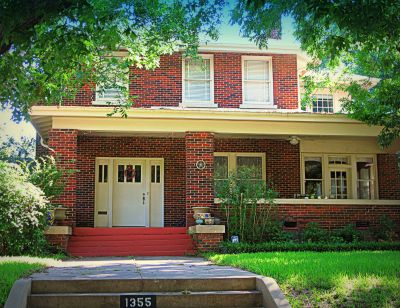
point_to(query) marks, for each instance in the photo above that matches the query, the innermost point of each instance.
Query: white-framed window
(257, 83)
(110, 95)
(226, 163)
(339, 176)
(198, 81)
(323, 103)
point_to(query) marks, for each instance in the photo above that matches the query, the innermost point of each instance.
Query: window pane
(121, 170)
(364, 176)
(256, 91)
(313, 167)
(339, 160)
(323, 103)
(138, 173)
(158, 174)
(153, 174)
(364, 170)
(129, 173)
(197, 90)
(250, 162)
(100, 173)
(339, 184)
(313, 187)
(105, 173)
(220, 167)
(197, 69)
(256, 70)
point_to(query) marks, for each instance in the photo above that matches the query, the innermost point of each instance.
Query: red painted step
(96, 242)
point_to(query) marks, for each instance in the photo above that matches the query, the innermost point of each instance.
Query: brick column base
(207, 241)
(59, 241)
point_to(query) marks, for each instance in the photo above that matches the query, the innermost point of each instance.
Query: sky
(228, 34)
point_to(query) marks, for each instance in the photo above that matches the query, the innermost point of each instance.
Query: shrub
(246, 215)
(233, 248)
(314, 233)
(348, 233)
(23, 211)
(386, 229)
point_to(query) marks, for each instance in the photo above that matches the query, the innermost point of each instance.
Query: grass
(14, 268)
(327, 279)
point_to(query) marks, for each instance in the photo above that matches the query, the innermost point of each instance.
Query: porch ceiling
(175, 122)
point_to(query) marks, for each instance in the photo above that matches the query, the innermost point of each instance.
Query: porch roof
(177, 121)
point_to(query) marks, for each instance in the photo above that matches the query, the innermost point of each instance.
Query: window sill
(330, 201)
(257, 106)
(199, 105)
(106, 103)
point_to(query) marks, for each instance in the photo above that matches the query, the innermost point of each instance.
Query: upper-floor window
(339, 176)
(257, 82)
(323, 103)
(198, 82)
(111, 95)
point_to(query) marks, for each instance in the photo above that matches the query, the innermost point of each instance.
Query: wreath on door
(129, 173)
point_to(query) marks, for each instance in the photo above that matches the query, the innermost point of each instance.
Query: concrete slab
(139, 268)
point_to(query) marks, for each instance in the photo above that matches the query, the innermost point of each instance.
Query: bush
(240, 197)
(23, 213)
(314, 233)
(348, 234)
(233, 248)
(386, 229)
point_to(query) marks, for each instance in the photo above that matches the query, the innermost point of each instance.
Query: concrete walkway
(139, 268)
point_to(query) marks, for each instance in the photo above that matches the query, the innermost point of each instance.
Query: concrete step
(134, 237)
(127, 231)
(123, 253)
(76, 242)
(164, 300)
(142, 285)
(131, 247)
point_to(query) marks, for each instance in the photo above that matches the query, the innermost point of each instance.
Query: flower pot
(60, 213)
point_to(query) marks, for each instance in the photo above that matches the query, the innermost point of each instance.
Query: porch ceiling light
(294, 140)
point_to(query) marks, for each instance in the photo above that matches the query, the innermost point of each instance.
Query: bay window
(339, 176)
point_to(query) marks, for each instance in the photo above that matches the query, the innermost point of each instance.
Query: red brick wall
(199, 183)
(64, 143)
(336, 216)
(171, 149)
(388, 177)
(207, 241)
(163, 86)
(282, 161)
(59, 241)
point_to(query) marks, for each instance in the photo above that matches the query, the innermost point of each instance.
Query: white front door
(129, 193)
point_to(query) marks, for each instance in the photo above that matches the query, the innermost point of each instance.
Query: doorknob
(144, 198)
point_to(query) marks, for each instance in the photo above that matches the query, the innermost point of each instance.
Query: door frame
(110, 181)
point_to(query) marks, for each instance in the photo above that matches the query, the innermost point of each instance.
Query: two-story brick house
(239, 106)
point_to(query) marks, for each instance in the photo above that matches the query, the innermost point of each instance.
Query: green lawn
(13, 268)
(328, 279)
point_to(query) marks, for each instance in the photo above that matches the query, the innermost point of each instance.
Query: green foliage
(248, 204)
(15, 150)
(348, 233)
(12, 271)
(337, 36)
(328, 279)
(386, 229)
(48, 50)
(23, 213)
(234, 248)
(314, 233)
(44, 173)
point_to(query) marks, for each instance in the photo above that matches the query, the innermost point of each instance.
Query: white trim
(262, 105)
(200, 104)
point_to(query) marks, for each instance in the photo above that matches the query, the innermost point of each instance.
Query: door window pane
(100, 179)
(138, 173)
(155, 174)
(121, 171)
(129, 173)
(339, 184)
(105, 176)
